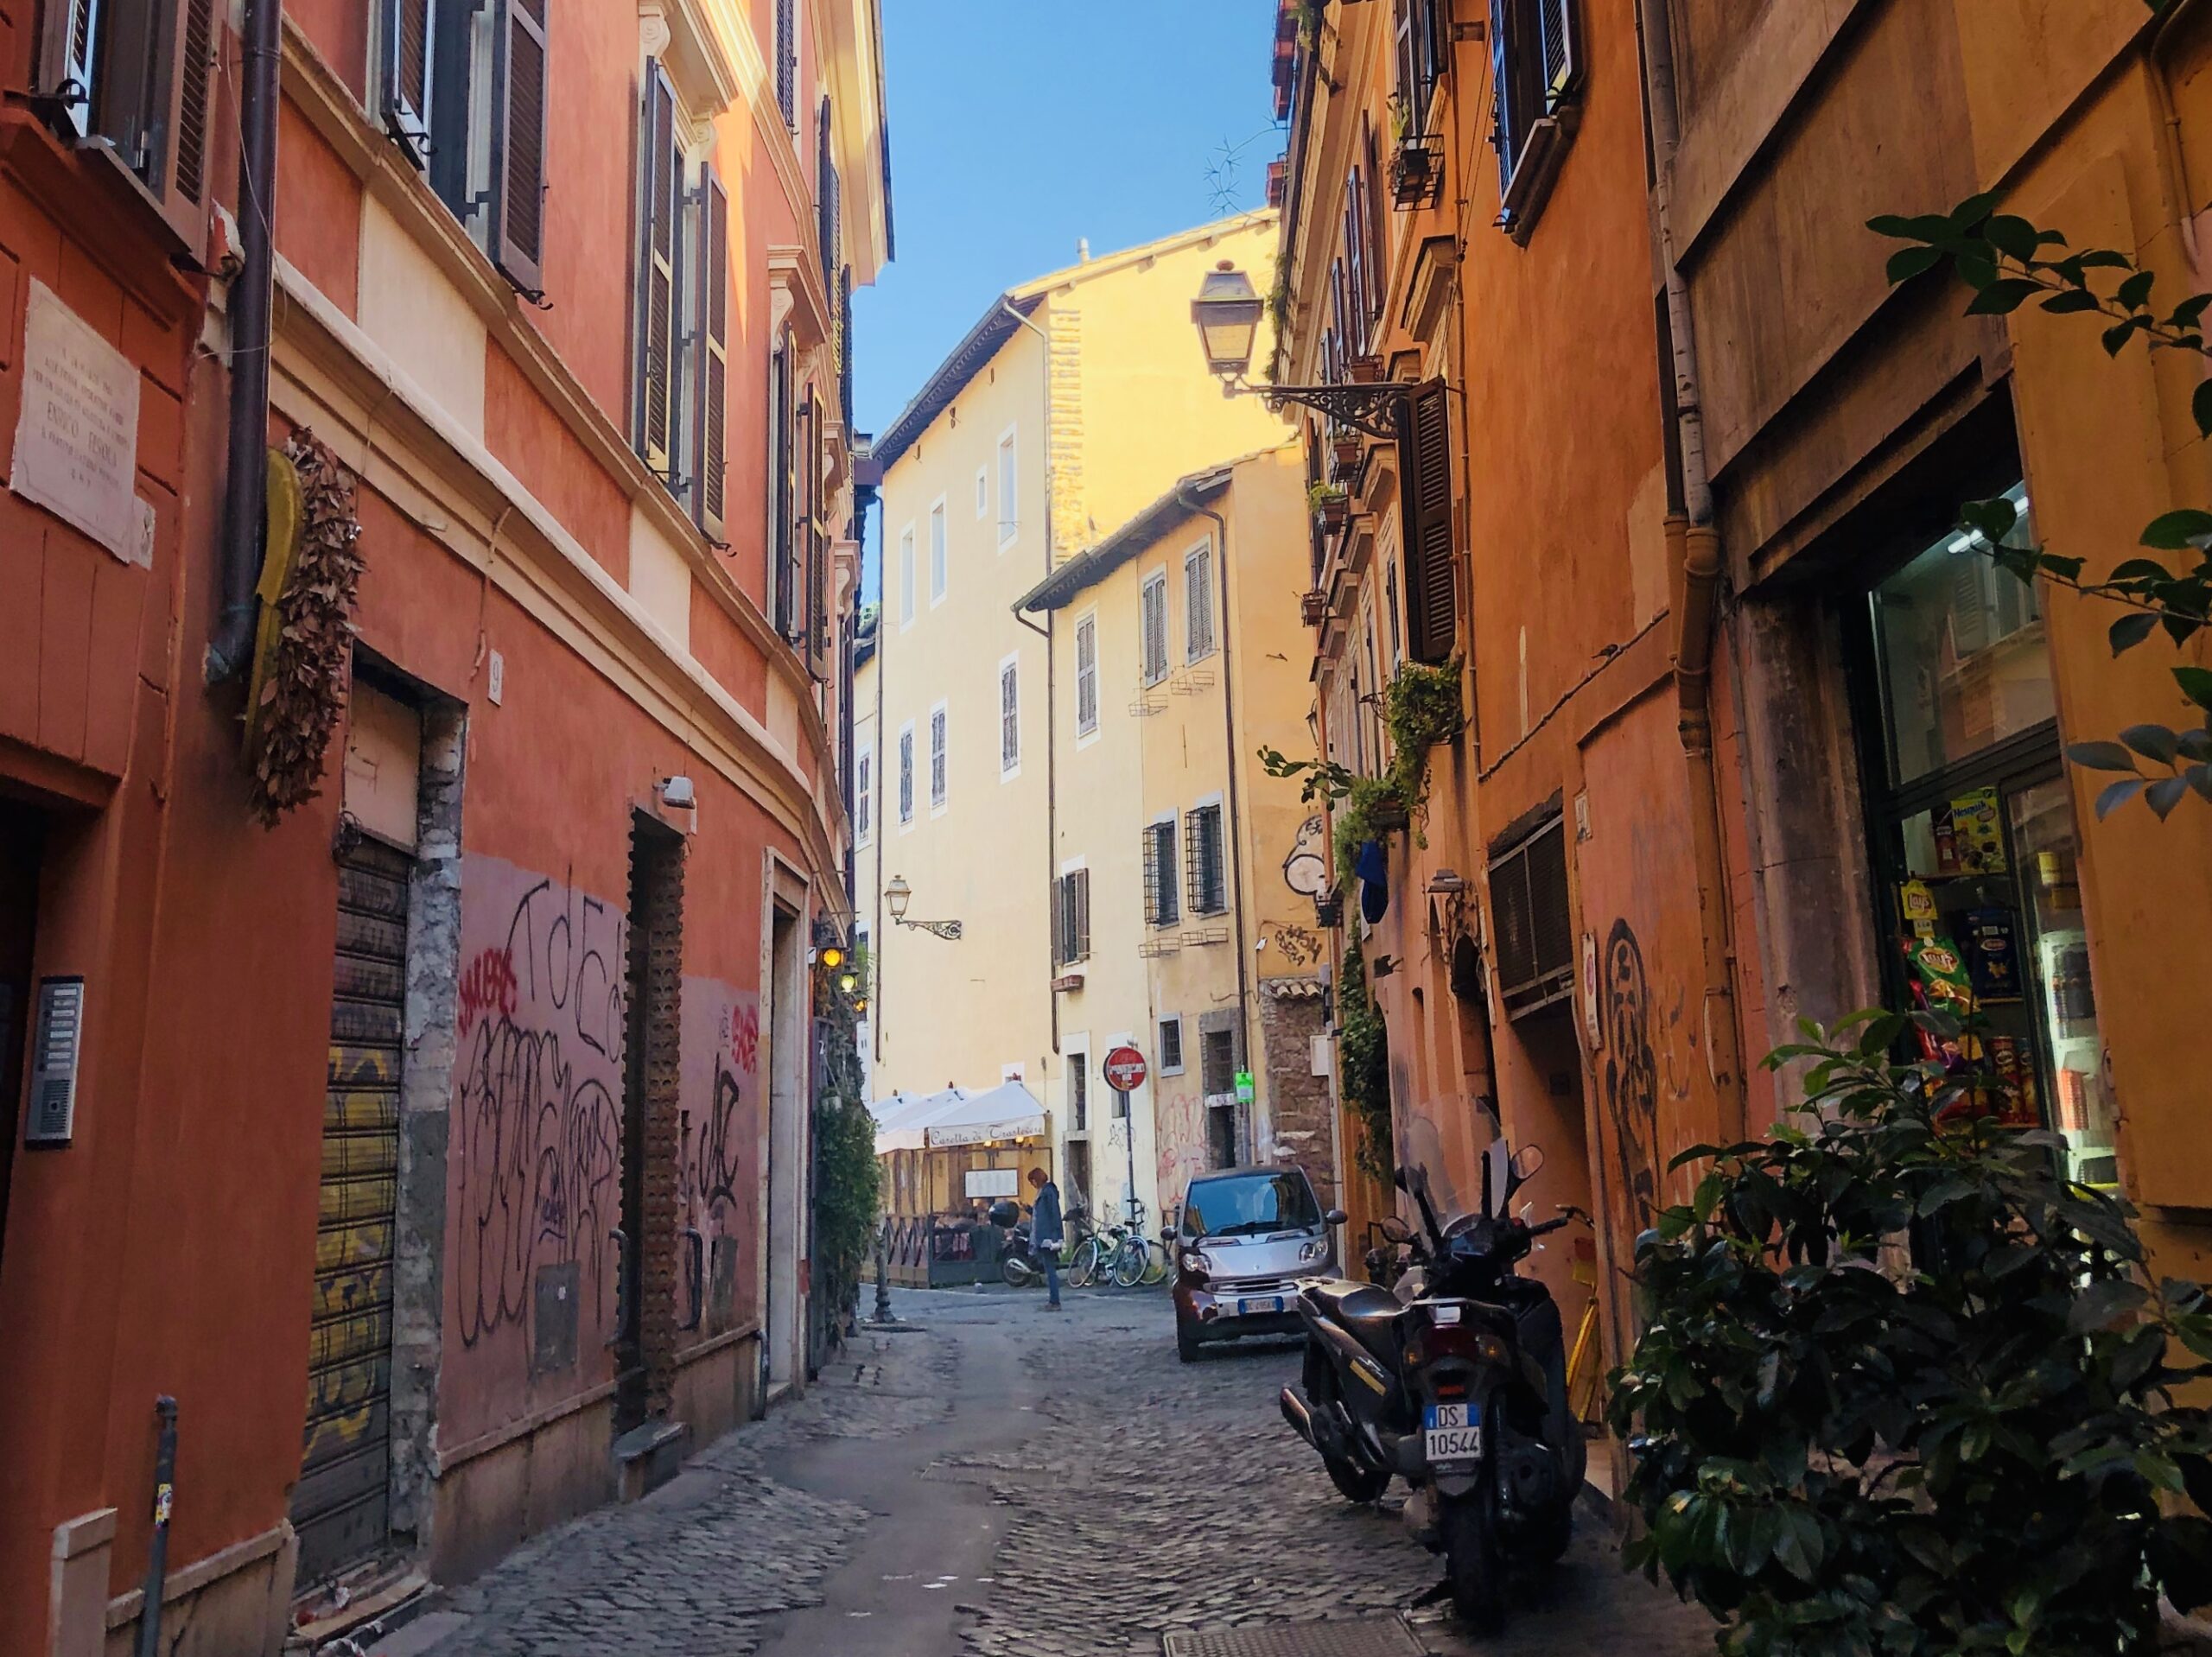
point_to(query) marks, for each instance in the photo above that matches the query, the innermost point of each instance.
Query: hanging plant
(1420, 709)
(311, 574)
(1364, 1066)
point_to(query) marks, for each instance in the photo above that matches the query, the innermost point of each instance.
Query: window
(906, 576)
(1162, 892)
(1071, 918)
(1535, 66)
(1198, 603)
(939, 779)
(515, 229)
(1153, 642)
(1208, 876)
(1009, 513)
(1218, 1062)
(982, 491)
(937, 559)
(136, 73)
(1009, 717)
(1078, 1092)
(907, 774)
(710, 366)
(1420, 57)
(787, 60)
(1171, 1045)
(1424, 475)
(863, 795)
(1535, 949)
(661, 321)
(1086, 676)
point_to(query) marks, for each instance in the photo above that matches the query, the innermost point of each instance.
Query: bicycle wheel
(1128, 1262)
(1083, 1265)
(1155, 1263)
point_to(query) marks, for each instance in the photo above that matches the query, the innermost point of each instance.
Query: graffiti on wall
(1632, 1073)
(719, 1086)
(1178, 1138)
(536, 1129)
(1298, 946)
(1305, 871)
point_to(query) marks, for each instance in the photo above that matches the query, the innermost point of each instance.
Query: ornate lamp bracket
(1370, 406)
(949, 931)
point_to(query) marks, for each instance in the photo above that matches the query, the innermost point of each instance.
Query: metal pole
(157, 1548)
(882, 1280)
(1128, 1139)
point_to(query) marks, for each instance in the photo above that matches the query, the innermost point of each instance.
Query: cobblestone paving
(699, 1568)
(1144, 1496)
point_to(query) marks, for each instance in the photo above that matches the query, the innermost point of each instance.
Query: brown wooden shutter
(781, 468)
(787, 60)
(818, 548)
(519, 81)
(656, 272)
(712, 464)
(1425, 465)
(195, 71)
(1372, 201)
(407, 70)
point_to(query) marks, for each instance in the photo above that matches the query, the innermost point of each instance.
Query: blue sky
(1018, 126)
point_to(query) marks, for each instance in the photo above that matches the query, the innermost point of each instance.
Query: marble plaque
(77, 435)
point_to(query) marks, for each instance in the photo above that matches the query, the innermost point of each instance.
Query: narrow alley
(986, 1479)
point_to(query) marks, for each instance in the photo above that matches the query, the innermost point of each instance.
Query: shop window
(1976, 844)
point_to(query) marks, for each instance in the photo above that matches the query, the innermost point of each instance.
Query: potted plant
(1314, 607)
(1328, 503)
(1347, 451)
(1416, 181)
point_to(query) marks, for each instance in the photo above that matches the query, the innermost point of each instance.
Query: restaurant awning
(956, 1116)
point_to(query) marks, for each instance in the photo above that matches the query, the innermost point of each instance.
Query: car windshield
(1244, 1205)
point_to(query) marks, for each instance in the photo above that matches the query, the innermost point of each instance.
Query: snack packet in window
(1940, 984)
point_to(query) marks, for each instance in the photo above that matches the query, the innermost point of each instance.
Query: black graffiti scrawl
(1631, 1072)
(537, 1156)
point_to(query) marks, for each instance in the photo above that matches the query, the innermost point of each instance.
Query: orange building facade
(1668, 479)
(440, 1152)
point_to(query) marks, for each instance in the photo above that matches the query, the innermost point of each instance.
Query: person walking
(1046, 1232)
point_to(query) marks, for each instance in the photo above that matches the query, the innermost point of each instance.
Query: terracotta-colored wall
(521, 429)
(318, 210)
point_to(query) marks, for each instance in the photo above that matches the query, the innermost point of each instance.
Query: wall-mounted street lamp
(1228, 311)
(899, 894)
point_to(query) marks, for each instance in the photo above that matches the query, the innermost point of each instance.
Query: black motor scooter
(1457, 1383)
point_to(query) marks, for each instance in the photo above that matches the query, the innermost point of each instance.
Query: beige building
(1187, 875)
(1070, 406)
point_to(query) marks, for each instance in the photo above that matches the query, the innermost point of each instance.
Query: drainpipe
(1234, 840)
(1052, 723)
(245, 485)
(1694, 539)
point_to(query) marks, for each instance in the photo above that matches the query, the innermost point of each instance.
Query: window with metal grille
(1009, 718)
(1216, 1063)
(1078, 1092)
(1171, 1045)
(1209, 881)
(1530, 915)
(1071, 918)
(1153, 642)
(939, 771)
(1198, 603)
(863, 795)
(1162, 898)
(906, 775)
(1086, 676)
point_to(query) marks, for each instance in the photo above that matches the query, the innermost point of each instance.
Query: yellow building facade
(1069, 407)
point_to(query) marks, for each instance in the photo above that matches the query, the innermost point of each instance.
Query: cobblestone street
(998, 1482)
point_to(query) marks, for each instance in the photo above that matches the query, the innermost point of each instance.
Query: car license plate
(1258, 1305)
(1453, 1432)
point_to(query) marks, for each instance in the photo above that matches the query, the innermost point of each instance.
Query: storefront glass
(1975, 837)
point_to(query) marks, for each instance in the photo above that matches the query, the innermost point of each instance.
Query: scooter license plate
(1452, 1433)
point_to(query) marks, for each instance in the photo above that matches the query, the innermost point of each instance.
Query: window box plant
(1347, 452)
(1313, 607)
(1328, 503)
(1416, 172)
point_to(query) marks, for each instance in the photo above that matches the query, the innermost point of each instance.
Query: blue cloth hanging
(1373, 868)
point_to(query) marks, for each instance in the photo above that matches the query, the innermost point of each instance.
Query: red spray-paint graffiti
(487, 986)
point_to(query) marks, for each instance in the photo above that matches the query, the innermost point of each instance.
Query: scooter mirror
(1395, 1228)
(1527, 1161)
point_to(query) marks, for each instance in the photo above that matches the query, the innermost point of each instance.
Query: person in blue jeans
(1046, 1233)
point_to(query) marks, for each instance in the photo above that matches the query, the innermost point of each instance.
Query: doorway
(22, 841)
(645, 1328)
(786, 1158)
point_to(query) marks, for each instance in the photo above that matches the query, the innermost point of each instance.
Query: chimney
(1082, 249)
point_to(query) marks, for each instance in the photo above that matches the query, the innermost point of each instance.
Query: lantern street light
(1228, 311)
(899, 894)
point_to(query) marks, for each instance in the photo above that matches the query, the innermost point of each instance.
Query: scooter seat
(1367, 1312)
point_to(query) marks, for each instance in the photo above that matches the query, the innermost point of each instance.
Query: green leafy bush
(1904, 1389)
(1364, 1066)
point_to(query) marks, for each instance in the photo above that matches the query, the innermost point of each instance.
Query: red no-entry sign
(1124, 1069)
